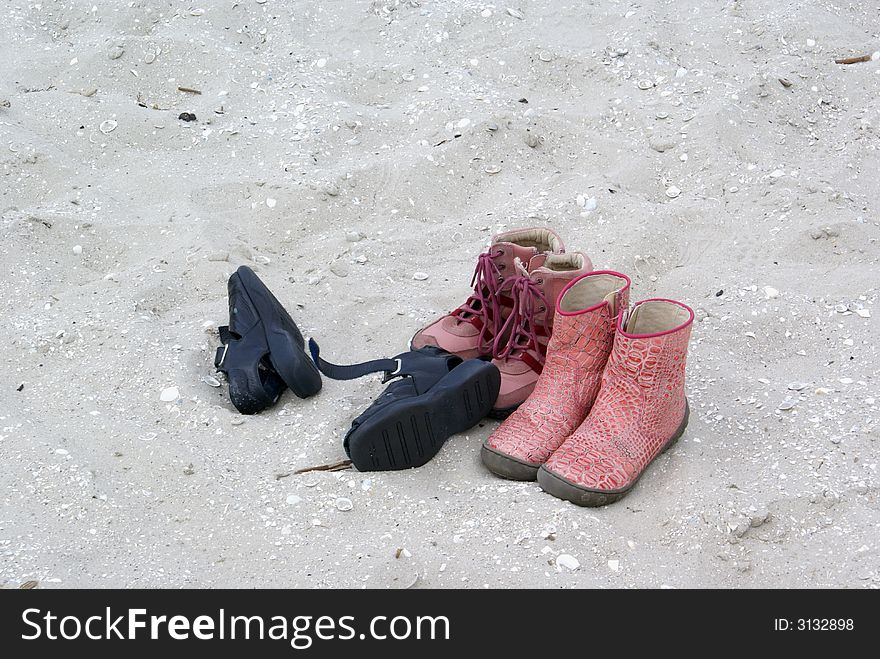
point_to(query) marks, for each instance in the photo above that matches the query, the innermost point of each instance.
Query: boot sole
(507, 466)
(288, 357)
(581, 496)
(412, 431)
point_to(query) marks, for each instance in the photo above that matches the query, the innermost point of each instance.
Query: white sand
(335, 110)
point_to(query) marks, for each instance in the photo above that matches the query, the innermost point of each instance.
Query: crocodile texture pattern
(639, 409)
(565, 390)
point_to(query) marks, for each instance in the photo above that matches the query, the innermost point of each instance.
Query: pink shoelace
(484, 305)
(528, 302)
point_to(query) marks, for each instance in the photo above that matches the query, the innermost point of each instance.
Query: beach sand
(341, 147)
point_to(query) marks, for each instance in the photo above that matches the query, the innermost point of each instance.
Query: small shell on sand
(169, 394)
(420, 276)
(672, 192)
(645, 84)
(108, 126)
(492, 170)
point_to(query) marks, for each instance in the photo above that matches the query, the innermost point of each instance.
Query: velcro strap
(220, 356)
(390, 367)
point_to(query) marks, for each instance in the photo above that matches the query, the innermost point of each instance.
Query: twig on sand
(853, 60)
(335, 466)
(189, 90)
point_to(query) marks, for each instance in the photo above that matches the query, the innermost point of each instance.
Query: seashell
(568, 561)
(169, 394)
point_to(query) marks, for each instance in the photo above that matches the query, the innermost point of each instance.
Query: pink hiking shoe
(583, 333)
(641, 409)
(470, 330)
(521, 342)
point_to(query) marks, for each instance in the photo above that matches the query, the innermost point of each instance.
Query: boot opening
(657, 316)
(564, 262)
(590, 291)
(543, 240)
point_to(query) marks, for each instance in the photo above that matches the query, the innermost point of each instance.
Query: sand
(341, 147)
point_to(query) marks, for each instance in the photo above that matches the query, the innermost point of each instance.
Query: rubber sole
(581, 496)
(411, 431)
(286, 345)
(508, 467)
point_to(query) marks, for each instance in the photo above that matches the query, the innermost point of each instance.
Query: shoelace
(528, 302)
(484, 304)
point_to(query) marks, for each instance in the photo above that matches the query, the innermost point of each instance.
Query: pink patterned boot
(521, 342)
(640, 411)
(470, 330)
(583, 333)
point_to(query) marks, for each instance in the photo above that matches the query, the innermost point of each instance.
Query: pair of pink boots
(610, 398)
(592, 391)
(509, 317)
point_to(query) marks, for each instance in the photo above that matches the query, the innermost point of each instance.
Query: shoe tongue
(520, 267)
(518, 251)
(537, 261)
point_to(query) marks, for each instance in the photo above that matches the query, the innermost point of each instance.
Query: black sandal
(262, 349)
(437, 396)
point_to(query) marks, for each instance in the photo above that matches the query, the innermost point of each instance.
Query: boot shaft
(650, 353)
(587, 311)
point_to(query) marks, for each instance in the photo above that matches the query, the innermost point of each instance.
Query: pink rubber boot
(470, 330)
(640, 411)
(583, 333)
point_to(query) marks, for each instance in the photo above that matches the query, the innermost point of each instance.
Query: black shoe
(263, 349)
(437, 396)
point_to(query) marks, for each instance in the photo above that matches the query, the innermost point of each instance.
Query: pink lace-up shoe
(583, 333)
(521, 342)
(470, 330)
(640, 411)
